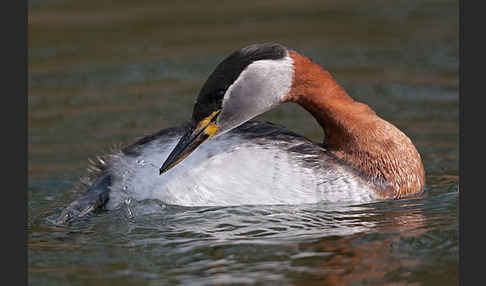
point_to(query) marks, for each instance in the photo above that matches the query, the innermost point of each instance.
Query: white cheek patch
(261, 86)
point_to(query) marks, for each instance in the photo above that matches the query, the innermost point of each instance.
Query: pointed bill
(205, 130)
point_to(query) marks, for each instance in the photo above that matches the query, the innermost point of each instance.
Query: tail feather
(95, 198)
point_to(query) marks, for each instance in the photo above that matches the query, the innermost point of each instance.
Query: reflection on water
(103, 74)
(388, 241)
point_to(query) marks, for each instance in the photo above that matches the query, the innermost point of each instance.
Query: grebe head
(247, 83)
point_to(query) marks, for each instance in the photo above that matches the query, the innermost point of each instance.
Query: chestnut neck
(379, 151)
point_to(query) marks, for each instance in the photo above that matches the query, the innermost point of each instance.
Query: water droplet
(129, 211)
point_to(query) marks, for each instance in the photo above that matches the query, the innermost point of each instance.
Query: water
(103, 74)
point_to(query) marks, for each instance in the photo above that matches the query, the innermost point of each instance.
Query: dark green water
(104, 73)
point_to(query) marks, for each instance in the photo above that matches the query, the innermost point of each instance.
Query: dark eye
(221, 93)
(218, 95)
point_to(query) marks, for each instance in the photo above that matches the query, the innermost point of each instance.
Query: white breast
(230, 170)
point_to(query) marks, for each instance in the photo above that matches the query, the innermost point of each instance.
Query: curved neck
(379, 151)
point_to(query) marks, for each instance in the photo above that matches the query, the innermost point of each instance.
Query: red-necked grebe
(222, 158)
